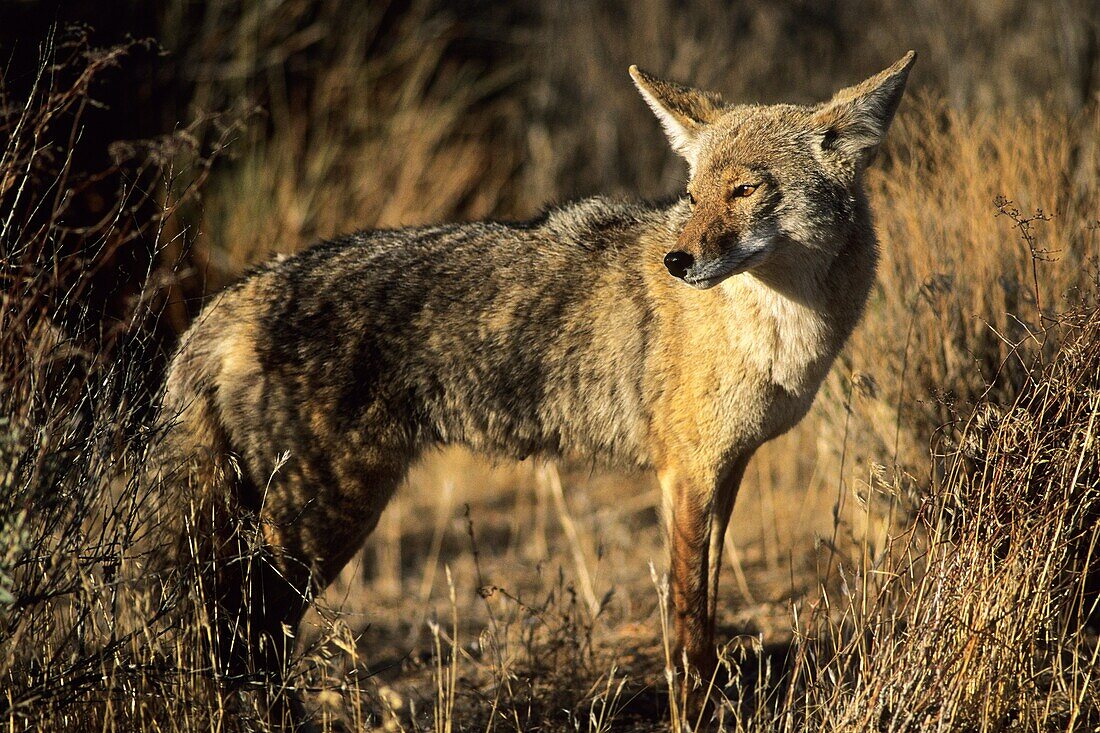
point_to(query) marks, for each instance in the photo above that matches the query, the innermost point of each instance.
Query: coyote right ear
(683, 111)
(855, 120)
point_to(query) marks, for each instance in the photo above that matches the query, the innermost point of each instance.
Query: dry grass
(911, 557)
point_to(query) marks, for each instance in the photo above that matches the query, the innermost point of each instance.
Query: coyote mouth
(706, 283)
(724, 268)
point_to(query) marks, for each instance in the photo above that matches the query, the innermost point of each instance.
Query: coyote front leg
(687, 509)
(721, 508)
(696, 514)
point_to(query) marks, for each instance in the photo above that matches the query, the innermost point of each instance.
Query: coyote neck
(792, 339)
(803, 305)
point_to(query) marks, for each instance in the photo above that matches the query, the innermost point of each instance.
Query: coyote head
(769, 179)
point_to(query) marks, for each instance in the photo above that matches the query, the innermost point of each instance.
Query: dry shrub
(93, 633)
(947, 594)
(69, 442)
(975, 619)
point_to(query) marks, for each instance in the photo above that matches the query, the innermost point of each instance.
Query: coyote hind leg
(258, 603)
(256, 600)
(285, 559)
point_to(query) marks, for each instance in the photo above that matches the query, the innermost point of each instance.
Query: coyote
(674, 337)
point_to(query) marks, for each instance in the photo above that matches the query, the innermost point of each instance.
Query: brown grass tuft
(917, 555)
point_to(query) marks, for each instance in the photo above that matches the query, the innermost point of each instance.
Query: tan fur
(562, 336)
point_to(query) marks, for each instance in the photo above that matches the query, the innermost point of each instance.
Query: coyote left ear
(856, 119)
(683, 111)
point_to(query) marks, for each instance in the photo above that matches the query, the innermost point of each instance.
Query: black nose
(678, 263)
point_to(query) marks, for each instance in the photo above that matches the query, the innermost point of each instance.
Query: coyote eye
(691, 199)
(744, 190)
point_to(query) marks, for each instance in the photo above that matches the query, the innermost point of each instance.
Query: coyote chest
(789, 342)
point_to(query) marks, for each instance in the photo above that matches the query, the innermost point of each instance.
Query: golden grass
(908, 558)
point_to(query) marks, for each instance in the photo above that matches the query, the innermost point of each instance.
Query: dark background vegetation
(542, 85)
(913, 556)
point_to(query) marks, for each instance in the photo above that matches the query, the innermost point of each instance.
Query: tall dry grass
(911, 557)
(389, 126)
(71, 433)
(94, 631)
(967, 286)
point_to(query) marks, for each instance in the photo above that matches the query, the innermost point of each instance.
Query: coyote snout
(355, 357)
(734, 256)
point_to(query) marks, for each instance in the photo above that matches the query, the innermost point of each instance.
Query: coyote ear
(683, 111)
(856, 119)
